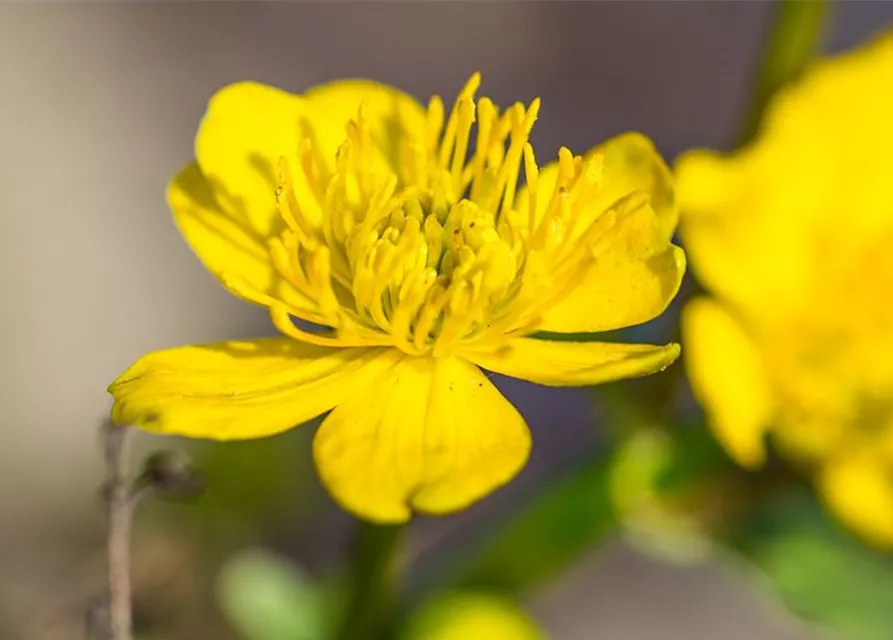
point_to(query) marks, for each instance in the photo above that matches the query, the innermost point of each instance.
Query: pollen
(427, 244)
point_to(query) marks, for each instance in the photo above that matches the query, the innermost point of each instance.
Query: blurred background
(99, 105)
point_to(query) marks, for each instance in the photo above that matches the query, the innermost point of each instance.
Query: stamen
(287, 205)
(282, 320)
(449, 136)
(431, 310)
(239, 286)
(434, 123)
(508, 177)
(465, 119)
(531, 177)
(320, 277)
(487, 116)
(395, 255)
(306, 153)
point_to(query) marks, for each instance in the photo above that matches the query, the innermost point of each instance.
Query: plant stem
(372, 595)
(793, 39)
(121, 506)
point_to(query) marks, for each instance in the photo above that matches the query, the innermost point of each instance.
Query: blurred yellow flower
(472, 616)
(396, 254)
(793, 236)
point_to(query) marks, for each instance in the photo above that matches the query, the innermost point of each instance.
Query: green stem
(793, 40)
(372, 595)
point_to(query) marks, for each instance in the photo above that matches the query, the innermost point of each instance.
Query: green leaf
(821, 572)
(266, 598)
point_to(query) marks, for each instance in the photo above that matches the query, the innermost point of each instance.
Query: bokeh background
(98, 108)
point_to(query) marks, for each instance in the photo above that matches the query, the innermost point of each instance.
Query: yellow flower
(396, 255)
(793, 236)
(472, 616)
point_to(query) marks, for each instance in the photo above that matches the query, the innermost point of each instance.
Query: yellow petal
(574, 363)
(728, 379)
(246, 129)
(431, 435)
(631, 163)
(227, 245)
(390, 113)
(635, 274)
(471, 616)
(720, 247)
(730, 225)
(858, 487)
(239, 390)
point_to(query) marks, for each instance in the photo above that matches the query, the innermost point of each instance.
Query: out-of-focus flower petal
(857, 487)
(728, 378)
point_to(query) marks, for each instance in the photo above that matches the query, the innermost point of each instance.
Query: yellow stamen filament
(432, 253)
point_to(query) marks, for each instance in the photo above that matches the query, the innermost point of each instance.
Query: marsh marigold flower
(396, 255)
(793, 236)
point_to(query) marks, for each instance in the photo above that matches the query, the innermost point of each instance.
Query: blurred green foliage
(555, 527)
(681, 498)
(255, 481)
(266, 598)
(651, 470)
(821, 572)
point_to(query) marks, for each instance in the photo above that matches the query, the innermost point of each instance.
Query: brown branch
(165, 472)
(121, 507)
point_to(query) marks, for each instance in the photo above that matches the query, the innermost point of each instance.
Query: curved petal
(750, 231)
(728, 379)
(431, 435)
(226, 246)
(390, 113)
(857, 486)
(239, 390)
(631, 163)
(635, 274)
(246, 129)
(725, 233)
(574, 363)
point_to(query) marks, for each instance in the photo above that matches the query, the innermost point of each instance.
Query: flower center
(428, 275)
(414, 244)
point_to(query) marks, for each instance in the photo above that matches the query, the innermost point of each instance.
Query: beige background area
(98, 106)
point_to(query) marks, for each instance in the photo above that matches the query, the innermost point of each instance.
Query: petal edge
(555, 363)
(238, 390)
(433, 436)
